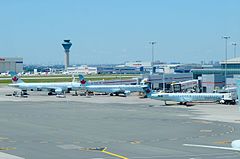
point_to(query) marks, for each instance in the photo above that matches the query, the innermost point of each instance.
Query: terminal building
(213, 78)
(165, 81)
(232, 65)
(238, 88)
(11, 64)
(84, 69)
(138, 64)
(212, 82)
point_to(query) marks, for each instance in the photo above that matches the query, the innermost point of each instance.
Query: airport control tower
(66, 45)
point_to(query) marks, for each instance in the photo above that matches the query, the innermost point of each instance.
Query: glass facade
(231, 66)
(199, 72)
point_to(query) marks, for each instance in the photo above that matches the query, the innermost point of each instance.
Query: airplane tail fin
(82, 80)
(146, 87)
(144, 81)
(148, 91)
(15, 78)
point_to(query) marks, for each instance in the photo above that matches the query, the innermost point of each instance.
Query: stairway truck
(228, 98)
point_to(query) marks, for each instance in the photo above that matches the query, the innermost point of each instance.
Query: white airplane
(8, 156)
(112, 89)
(53, 88)
(184, 98)
(235, 146)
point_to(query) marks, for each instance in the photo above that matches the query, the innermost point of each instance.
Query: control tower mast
(66, 45)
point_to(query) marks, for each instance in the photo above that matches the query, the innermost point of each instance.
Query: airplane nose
(235, 144)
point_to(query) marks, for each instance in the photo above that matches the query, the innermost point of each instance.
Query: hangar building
(11, 64)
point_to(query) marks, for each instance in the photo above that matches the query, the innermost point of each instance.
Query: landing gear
(230, 102)
(15, 93)
(75, 94)
(51, 93)
(23, 93)
(182, 103)
(68, 90)
(118, 94)
(124, 95)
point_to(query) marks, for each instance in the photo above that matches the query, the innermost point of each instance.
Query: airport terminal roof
(231, 61)
(215, 71)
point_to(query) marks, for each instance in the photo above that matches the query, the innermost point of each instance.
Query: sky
(115, 31)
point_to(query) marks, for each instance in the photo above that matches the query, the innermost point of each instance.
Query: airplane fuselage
(46, 86)
(114, 88)
(187, 97)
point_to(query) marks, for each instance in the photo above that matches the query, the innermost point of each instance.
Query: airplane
(183, 98)
(112, 89)
(57, 88)
(235, 146)
(9, 156)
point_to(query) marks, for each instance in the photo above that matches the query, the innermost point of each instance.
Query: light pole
(152, 43)
(234, 45)
(226, 38)
(163, 82)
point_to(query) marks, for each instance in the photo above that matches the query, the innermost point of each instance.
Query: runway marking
(113, 154)
(202, 136)
(70, 147)
(135, 142)
(212, 147)
(177, 156)
(3, 138)
(7, 148)
(223, 142)
(8, 156)
(201, 121)
(228, 156)
(12, 141)
(206, 131)
(59, 142)
(103, 150)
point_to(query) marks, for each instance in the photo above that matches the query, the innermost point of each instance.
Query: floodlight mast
(225, 72)
(234, 45)
(152, 43)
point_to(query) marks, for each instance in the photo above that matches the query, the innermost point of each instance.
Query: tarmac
(105, 127)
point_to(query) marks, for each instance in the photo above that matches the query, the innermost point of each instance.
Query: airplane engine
(58, 90)
(127, 92)
(39, 89)
(68, 90)
(236, 144)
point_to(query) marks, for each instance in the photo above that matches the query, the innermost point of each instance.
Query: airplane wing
(117, 90)
(55, 89)
(120, 91)
(8, 156)
(185, 99)
(212, 147)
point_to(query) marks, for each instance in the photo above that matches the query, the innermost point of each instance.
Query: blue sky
(114, 31)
